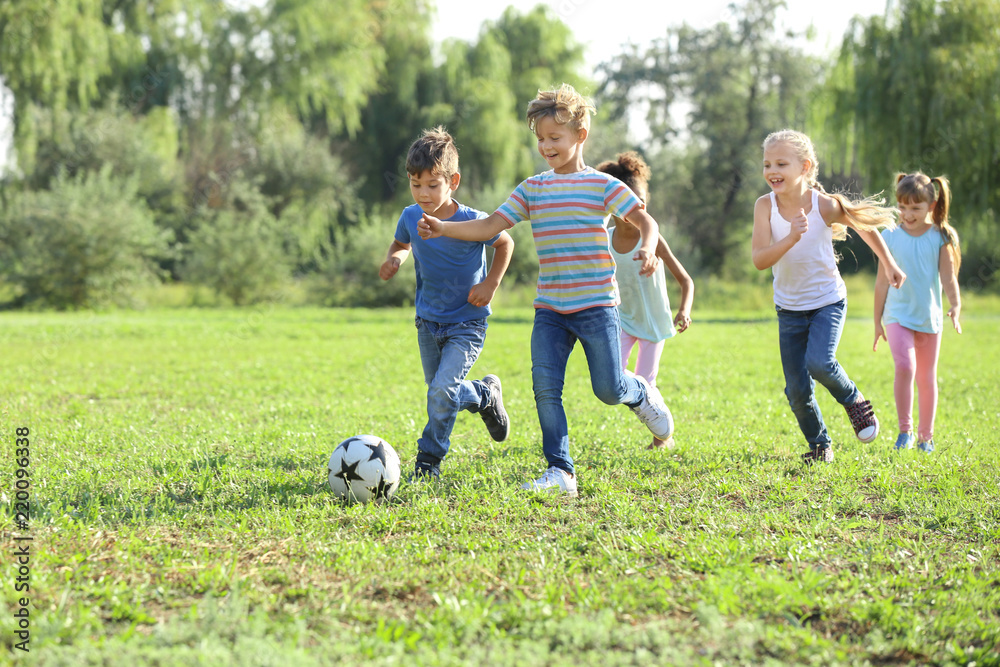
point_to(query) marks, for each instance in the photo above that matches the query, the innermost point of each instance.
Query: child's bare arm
(765, 251)
(482, 229)
(683, 318)
(881, 292)
(949, 280)
(398, 252)
(649, 232)
(482, 294)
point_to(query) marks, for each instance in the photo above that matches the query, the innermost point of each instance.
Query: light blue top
(645, 306)
(917, 304)
(446, 268)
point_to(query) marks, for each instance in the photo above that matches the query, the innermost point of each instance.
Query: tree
(741, 80)
(87, 241)
(919, 89)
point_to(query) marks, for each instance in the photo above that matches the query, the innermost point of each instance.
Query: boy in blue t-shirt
(454, 291)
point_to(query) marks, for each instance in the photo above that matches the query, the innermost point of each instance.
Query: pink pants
(916, 357)
(647, 364)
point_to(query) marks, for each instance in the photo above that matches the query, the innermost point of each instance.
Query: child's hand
(682, 321)
(895, 275)
(429, 227)
(388, 268)
(649, 262)
(800, 225)
(879, 333)
(955, 313)
(481, 294)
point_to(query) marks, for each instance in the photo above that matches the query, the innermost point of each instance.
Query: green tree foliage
(143, 148)
(919, 89)
(742, 79)
(236, 246)
(479, 92)
(88, 241)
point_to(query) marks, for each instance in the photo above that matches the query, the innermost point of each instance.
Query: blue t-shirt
(917, 304)
(446, 268)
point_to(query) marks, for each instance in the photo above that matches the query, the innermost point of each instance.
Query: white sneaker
(554, 479)
(653, 412)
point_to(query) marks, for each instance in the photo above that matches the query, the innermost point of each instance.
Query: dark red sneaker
(824, 454)
(863, 420)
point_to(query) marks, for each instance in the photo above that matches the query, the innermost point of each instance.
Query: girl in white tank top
(809, 294)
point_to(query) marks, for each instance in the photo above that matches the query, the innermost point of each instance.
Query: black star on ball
(381, 490)
(378, 452)
(348, 472)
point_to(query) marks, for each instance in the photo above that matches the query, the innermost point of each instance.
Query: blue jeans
(552, 339)
(808, 340)
(447, 352)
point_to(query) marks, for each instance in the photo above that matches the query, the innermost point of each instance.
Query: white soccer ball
(364, 468)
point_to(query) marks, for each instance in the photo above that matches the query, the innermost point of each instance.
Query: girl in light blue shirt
(910, 318)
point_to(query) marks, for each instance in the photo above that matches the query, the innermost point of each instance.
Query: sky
(603, 31)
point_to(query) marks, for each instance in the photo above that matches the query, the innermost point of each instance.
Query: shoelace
(861, 414)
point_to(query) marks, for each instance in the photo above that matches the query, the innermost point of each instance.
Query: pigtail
(940, 218)
(866, 215)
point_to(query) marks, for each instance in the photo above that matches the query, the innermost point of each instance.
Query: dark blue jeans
(808, 340)
(552, 339)
(447, 352)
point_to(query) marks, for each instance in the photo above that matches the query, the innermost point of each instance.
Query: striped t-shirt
(568, 213)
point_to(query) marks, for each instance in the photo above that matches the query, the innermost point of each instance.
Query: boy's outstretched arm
(649, 232)
(482, 294)
(398, 252)
(683, 318)
(482, 229)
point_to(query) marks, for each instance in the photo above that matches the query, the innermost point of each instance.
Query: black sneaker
(423, 472)
(494, 416)
(823, 454)
(863, 420)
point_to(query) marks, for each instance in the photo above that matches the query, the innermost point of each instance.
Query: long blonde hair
(868, 214)
(919, 187)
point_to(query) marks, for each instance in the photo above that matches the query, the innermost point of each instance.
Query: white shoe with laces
(556, 480)
(653, 412)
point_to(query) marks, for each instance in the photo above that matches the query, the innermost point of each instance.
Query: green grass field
(180, 512)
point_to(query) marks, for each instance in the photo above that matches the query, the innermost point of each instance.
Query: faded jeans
(808, 340)
(447, 352)
(552, 339)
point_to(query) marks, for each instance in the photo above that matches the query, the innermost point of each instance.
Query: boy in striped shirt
(577, 297)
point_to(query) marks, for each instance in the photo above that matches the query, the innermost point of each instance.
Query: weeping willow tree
(919, 89)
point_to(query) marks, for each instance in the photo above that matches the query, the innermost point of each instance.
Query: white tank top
(806, 277)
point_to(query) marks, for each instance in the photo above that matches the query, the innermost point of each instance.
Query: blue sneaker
(926, 446)
(904, 441)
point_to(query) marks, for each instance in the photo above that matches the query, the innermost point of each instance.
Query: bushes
(236, 249)
(89, 241)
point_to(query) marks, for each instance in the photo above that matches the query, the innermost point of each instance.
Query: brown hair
(919, 187)
(866, 214)
(630, 169)
(434, 151)
(564, 105)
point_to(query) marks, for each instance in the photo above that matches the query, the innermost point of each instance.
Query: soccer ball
(364, 468)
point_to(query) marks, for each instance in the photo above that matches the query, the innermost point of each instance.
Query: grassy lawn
(180, 513)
